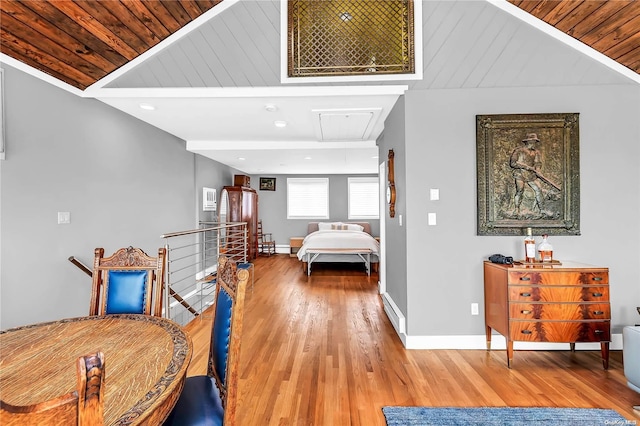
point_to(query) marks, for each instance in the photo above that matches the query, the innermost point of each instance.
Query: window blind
(364, 198)
(307, 198)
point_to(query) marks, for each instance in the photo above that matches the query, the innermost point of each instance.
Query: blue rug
(501, 416)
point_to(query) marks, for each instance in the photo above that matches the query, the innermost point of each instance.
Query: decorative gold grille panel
(350, 37)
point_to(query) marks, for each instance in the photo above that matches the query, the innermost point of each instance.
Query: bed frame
(339, 255)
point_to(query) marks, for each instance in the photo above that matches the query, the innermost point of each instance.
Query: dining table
(145, 361)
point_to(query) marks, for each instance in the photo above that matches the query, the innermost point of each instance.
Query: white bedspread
(338, 239)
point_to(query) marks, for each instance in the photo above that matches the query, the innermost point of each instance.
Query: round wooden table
(146, 360)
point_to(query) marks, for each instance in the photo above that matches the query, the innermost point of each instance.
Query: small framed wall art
(267, 184)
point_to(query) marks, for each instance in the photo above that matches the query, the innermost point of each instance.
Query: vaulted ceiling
(82, 41)
(183, 55)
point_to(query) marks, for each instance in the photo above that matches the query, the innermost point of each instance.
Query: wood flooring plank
(320, 350)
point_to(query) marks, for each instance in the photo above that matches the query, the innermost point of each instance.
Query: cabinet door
(250, 215)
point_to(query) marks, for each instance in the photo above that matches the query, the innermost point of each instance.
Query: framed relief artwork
(267, 184)
(528, 174)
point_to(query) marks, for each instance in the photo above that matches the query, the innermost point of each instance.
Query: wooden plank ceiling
(81, 41)
(611, 27)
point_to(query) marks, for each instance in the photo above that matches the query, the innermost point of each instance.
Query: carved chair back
(127, 282)
(226, 333)
(83, 407)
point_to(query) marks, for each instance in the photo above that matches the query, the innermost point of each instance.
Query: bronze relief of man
(526, 162)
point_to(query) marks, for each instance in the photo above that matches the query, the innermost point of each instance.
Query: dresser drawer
(560, 311)
(558, 277)
(558, 294)
(560, 331)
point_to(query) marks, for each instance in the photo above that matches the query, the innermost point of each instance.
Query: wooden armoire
(243, 207)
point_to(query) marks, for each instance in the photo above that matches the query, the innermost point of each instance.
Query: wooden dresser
(566, 303)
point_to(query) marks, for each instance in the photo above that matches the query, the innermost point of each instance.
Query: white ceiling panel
(466, 44)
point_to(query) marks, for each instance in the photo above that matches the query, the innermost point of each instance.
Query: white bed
(339, 242)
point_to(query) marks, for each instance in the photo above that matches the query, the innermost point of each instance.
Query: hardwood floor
(320, 350)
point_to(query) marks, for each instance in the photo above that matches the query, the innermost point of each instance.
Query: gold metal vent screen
(350, 37)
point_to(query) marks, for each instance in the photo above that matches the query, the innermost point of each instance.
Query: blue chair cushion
(222, 333)
(199, 404)
(126, 292)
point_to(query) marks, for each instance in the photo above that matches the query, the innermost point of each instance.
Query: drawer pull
(598, 312)
(526, 332)
(525, 278)
(598, 331)
(525, 294)
(596, 278)
(597, 294)
(525, 311)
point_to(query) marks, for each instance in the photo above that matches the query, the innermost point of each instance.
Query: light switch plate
(432, 219)
(434, 194)
(64, 218)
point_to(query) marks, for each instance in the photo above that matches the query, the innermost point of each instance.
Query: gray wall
(395, 233)
(272, 207)
(444, 262)
(124, 182)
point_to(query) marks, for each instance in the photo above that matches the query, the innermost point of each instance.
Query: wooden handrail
(84, 268)
(81, 265)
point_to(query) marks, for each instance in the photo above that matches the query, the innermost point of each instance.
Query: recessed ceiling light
(375, 156)
(280, 123)
(241, 158)
(307, 158)
(270, 107)
(146, 106)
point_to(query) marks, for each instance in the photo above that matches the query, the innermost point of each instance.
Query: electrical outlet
(474, 309)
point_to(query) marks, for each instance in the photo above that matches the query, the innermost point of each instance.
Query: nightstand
(294, 245)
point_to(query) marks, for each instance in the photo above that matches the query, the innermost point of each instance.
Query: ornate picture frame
(267, 184)
(528, 174)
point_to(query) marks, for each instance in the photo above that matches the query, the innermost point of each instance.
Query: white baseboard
(498, 341)
(395, 315)
(282, 249)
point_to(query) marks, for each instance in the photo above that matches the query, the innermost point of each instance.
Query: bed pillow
(324, 226)
(347, 227)
(355, 227)
(339, 226)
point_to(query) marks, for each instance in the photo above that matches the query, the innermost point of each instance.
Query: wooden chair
(266, 245)
(127, 282)
(211, 399)
(83, 407)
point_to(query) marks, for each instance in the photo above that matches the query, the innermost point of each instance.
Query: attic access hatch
(345, 125)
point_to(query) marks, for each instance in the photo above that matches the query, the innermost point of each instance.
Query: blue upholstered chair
(211, 399)
(127, 282)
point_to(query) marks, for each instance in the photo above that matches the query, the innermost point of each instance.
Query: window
(307, 198)
(364, 198)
